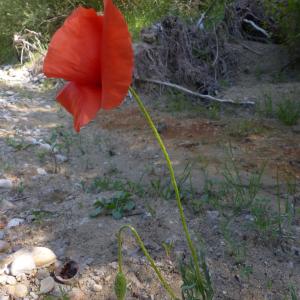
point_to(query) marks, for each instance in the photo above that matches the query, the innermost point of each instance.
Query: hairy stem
(149, 258)
(174, 183)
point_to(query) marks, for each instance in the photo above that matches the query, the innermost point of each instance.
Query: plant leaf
(96, 212)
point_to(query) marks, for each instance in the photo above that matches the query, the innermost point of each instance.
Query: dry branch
(185, 90)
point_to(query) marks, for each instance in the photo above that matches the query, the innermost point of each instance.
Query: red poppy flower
(94, 53)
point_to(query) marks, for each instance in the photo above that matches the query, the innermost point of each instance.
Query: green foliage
(192, 288)
(287, 16)
(45, 16)
(116, 206)
(288, 112)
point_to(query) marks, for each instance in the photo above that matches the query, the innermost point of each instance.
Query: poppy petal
(82, 101)
(74, 52)
(117, 57)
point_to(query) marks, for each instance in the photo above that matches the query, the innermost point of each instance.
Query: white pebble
(15, 222)
(47, 285)
(6, 184)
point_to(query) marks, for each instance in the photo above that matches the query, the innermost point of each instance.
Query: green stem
(174, 183)
(149, 258)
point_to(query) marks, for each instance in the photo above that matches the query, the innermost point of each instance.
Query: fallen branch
(185, 90)
(257, 28)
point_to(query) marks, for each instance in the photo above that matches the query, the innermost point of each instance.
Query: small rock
(4, 297)
(42, 274)
(76, 294)
(20, 291)
(43, 257)
(15, 222)
(61, 158)
(2, 234)
(114, 265)
(4, 246)
(33, 295)
(3, 279)
(213, 214)
(11, 280)
(47, 285)
(23, 263)
(46, 147)
(97, 287)
(41, 171)
(31, 140)
(6, 184)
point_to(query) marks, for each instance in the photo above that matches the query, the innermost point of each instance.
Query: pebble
(61, 158)
(41, 171)
(6, 184)
(97, 287)
(23, 263)
(42, 274)
(213, 214)
(46, 147)
(20, 290)
(15, 222)
(43, 257)
(76, 294)
(4, 246)
(47, 285)
(11, 280)
(3, 279)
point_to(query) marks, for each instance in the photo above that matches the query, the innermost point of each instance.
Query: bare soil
(118, 146)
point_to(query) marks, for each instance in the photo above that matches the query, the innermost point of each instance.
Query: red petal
(82, 101)
(117, 57)
(75, 50)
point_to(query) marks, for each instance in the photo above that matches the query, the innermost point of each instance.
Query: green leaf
(130, 205)
(120, 286)
(96, 212)
(117, 214)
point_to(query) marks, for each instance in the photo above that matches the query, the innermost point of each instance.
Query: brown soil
(118, 145)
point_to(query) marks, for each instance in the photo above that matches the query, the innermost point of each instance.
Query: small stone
(15, 222)
(47, 285)
(213, 214)
(21, 290)
(43, 257)
(76, 294)
(33, 295)
(6, 184)
(46, 147)
(3, 279)
(31, 140)
(23, 263)
(97, 287)
(42, 274)
(41, 171)
(4, 246)
(11, 280)
(61, 158)
(114, 265)
(4, 297)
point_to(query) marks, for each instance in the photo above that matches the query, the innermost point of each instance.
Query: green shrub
(286, 14)
(45, 16)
